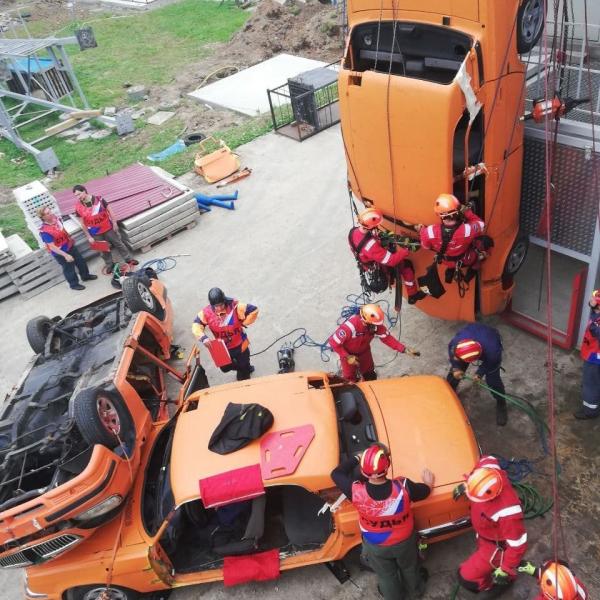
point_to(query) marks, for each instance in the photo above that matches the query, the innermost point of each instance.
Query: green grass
(148, 49)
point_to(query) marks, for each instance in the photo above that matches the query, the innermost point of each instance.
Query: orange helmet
(370, 218)
(483, 484)
(372, 314)
(446, 204)
(557, 582)
(374, 461)
(595, 299)
(468, 350)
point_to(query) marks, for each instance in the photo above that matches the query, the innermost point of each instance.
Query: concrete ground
(284, 248)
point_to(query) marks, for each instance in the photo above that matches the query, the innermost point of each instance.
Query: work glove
(458, 491)
(526, 567)
(476, 378)
(458, 374)
(411, 351)
(499, 577)
(352, 360)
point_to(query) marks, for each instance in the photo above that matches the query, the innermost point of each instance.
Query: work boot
(470, 273)
(413, 298)
(90, 277)
(78, 287)
(449, 276)
(501, 413)
(582, 415)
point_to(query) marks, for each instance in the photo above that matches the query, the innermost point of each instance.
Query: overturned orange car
(431, 99)
(177, 527)
(73, 429)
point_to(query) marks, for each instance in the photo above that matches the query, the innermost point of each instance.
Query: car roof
(294, 400)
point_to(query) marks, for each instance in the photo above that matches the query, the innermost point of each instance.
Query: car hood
(426, 426)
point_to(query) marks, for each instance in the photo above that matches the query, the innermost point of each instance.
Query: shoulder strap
(358, 247)
(447, 235)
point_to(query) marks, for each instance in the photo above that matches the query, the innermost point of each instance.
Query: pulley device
(285, 358)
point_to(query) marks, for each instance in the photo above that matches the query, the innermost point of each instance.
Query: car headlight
(101, 508)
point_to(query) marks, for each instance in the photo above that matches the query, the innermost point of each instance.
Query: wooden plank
(62, 126)
(147, 247)
(34, 283)
(8, 291)
(28, 258)
(38, 290)
(85, 114)
(38, 266)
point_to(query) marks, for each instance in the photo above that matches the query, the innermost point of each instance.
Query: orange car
(431, 96)
(72, 430)
(172, 534)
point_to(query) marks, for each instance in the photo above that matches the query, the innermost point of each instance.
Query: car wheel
(530, 24)
(103, 418)
(517, 255)
(37, 331)
(100, 591)
(139, 296)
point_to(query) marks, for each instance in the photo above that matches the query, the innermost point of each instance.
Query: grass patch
(12, 221)
(147, 49)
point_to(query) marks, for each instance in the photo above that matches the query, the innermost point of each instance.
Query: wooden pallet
(7, 290)
(35, 273)
(168, 236)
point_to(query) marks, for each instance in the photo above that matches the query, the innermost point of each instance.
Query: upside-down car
(73, 429)
(194, 513)
(431, 99)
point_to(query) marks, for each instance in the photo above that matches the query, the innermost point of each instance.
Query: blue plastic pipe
(203, 198)
(208, 201)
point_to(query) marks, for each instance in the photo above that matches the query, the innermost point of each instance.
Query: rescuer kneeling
(386, 520)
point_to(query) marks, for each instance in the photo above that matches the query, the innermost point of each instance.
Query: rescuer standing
(480, 344)
(498, 522)
(226, 318)
(366, 245)
(352, 342)
(386, 519)
(590, 352)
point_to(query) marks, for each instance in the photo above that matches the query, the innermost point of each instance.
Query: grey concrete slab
(246, 92)
(284, 248)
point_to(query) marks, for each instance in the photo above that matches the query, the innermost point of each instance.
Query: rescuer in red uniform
(557, 581)
(454, 240)
(352, 341)
(226, 319)
(386, 519)
(96, 222)
(497, 518)
(365, 243)
(62, 248)
(590, 352)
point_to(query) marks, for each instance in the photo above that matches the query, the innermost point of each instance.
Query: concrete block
(101, 134)
(136, 93)
(162, 116)
(47, 160)
(110, 111)
(124, 123)
(84, 135)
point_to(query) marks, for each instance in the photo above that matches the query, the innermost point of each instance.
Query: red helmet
(446, 204)
(370, 218)
(557, 582)
(595, 299)
(375, 461)
(468, 350)
(372, 314)
(483, 484)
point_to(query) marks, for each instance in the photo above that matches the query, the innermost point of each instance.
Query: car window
(414, 50)
(157, 497)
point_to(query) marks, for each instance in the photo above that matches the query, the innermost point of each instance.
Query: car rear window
(414, 50)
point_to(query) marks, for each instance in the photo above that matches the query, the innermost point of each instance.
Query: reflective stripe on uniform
(517, 543)
(386, 258)
(430, 232)
(506, 512)
(467, 230)
(369, 245)
(351, 327)
(592, 406)
(336, 339)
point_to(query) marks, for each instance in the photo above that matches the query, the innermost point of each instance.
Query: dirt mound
(310, 30)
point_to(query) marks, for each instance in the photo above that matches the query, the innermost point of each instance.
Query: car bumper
(445, 529)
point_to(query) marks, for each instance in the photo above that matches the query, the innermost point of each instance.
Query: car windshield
(407, 49)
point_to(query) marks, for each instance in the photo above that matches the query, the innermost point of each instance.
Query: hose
(534, 504)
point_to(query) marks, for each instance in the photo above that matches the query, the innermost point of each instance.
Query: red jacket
(462, 238)
(55, 233)
(501, 520)
(384, 522)
(369, 249)
(229, 328)
(354, 336)
(590, 347)
(94, 217)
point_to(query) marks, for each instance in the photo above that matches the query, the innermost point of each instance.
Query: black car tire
(103, 418)
(37, 331)
(139, 296)
(93, 592)
(530, 25)
(517, 255)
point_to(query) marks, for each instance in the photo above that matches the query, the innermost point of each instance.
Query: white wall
(593, 14)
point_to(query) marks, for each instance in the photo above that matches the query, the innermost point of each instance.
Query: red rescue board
(100, 246)
(282, 451)
(219, 353)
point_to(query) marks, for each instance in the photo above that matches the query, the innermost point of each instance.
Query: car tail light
(101, 508)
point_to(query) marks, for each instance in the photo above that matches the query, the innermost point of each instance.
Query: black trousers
(68, 268)
(492, 379)
(240, 362)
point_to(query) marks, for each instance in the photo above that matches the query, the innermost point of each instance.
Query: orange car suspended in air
(429, 89)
